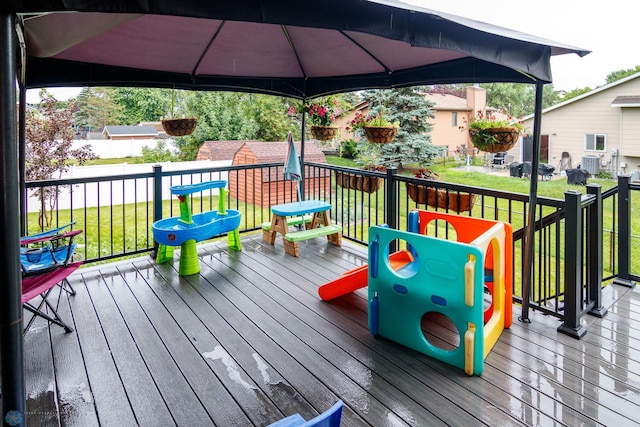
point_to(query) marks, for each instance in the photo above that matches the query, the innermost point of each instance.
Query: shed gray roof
(130, 130)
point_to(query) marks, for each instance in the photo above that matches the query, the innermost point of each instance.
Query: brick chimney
(476, 99)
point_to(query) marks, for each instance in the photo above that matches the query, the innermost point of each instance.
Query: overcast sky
(607, 29)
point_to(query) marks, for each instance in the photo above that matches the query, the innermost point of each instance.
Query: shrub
(603, 174)
(348, 148)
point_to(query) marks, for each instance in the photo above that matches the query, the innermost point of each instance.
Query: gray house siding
(568, 124)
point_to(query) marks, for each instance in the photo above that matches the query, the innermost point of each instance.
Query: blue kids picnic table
(288, 214)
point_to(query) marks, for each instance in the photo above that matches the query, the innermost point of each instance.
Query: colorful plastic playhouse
(187, 229)
(448, 277)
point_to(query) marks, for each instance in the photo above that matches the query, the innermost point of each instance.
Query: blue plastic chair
(47, 250)
(329, 418)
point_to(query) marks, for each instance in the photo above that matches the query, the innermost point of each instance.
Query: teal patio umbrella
(292, 170)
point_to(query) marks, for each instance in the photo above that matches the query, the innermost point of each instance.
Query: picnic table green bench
(295, 213)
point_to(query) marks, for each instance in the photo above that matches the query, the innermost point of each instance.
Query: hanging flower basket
(380, 134)
(456, 202)
(368, 184)
(495, 140)
(179, 127)
(324, 133)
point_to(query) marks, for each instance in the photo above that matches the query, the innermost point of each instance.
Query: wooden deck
(248, 342)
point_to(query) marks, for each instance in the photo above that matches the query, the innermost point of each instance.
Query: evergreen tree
(410, 109)
(96, 109)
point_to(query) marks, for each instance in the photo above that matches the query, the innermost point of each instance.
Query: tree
(270, 115)
(158, 154)
(96, 109)
(510, 97)
(575, 92)
(621, 74)
(221, 116)
(458, 90)
(410, 108)
(518, 99)
(611, 77)
(49, 137)
(233, 116)
(140, 104)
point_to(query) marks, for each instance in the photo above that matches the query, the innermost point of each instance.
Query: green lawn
(115, 161)
(449, 173)
(555, 188)
(111, 239)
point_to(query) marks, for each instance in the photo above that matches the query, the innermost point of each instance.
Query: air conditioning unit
(591, 164)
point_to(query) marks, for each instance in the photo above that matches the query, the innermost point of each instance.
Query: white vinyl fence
(125, 191)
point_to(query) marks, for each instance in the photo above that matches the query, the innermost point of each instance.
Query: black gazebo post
(529, 243)
(11, 341)
(303, 195)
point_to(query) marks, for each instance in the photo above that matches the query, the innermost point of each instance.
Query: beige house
(451, 112)
(599, 130)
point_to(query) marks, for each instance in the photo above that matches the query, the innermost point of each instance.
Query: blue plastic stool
(329, 418)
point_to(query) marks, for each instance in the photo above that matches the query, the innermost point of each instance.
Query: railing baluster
(594, 252)
(157, 201)
(624, 232)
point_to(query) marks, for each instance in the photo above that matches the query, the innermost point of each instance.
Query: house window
(595, 142)
(454, 119)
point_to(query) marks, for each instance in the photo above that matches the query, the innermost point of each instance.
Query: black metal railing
(628, 251)
(116, 213)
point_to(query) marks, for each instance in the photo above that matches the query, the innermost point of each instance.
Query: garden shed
(267, 186)
(220, 150)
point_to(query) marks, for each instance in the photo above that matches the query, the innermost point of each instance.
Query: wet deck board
(248, 341)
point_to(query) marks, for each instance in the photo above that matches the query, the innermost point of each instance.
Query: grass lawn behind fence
(105, 227)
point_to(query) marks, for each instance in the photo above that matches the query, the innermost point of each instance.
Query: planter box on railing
(368, 184)
(457, 202)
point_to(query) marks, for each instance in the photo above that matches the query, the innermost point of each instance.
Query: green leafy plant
(604, 174)
(491, 120)
(177, 107)
(483, 128)
(348, 148)
(359, 122)
(369, 156)
(380, 121)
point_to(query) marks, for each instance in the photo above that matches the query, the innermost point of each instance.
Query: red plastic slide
(357, 278)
